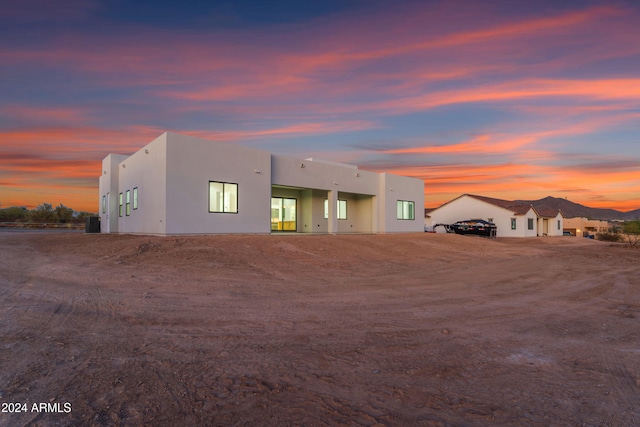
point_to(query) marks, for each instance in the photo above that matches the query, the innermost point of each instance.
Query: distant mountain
(570, 209)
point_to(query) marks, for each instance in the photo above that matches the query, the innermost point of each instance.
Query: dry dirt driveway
(399, 330)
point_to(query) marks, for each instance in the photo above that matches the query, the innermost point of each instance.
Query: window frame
(224, 191)
(127, 198)
(401, 210)
(342, 212)
(514, 223)
(530, 225)
(120, 204)
(135, 198)
(338, 210)
(104, 203)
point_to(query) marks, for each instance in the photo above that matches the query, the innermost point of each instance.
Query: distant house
(178, 184)
(512, 219)
(581, 227)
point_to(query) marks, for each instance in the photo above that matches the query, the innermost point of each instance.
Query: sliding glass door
(283, 214)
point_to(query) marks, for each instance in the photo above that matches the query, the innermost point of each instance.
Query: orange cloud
(77, 141)
(53, 169)
(482, 144)
(317, 128)
(595, 187)
(595, 89)
(614, 185)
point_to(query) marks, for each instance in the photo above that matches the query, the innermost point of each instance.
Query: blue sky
(515, 100)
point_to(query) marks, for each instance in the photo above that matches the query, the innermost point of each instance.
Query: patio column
(332, 221)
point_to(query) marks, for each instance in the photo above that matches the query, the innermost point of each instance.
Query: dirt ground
(399, 330)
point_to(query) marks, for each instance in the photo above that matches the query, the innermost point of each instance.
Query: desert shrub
(631, 231)
(609, 237)
(43, 213)
(13, 214)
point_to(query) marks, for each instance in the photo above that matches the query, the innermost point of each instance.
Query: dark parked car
(478, 227)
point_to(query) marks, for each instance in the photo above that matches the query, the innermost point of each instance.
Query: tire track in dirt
(628, 390)
(92, 366)
(59, 314)
(275, 339)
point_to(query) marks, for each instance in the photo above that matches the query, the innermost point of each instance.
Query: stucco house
(512, 219)
(179, 184)
(580, 226)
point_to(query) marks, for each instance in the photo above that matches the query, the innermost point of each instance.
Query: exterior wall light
(302, 165)
(257, 171)
(146, 151)
(124, 166)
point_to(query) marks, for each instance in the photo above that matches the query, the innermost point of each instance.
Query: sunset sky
(506, 99)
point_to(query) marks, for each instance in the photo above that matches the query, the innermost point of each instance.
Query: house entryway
(283, 214)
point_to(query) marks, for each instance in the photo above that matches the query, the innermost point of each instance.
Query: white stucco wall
(393, 188)
(172, 175)
(145, 170)
(288, 171)
(524, 230)
(467, 207)
(359, 214)
(108, 188)
(556, 231)
(192, 163)
(549, 226)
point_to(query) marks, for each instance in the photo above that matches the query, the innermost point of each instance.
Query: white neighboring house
(512, 219)
(179, 184)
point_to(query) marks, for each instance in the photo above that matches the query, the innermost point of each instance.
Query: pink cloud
(590, 89)
(316, 128)
(75, 141)
(272, 66)
(525, 27)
